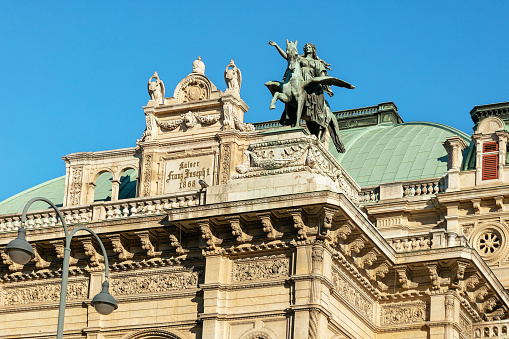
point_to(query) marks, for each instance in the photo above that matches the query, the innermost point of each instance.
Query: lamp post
(20, 251)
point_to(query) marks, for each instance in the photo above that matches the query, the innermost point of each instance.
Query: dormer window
(490, 161)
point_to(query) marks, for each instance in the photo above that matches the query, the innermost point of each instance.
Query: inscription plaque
(183, 174)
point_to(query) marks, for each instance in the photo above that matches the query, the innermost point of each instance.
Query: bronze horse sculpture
(302, 91)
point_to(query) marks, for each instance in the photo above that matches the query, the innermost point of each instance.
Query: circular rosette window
(489, 241)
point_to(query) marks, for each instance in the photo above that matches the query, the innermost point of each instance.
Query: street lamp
(20, 252)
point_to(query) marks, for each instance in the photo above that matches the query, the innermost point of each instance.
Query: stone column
(115, 186)
(216, 273)
(454, 147)
(478, 157)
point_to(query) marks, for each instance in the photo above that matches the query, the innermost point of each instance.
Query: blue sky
(73, 74)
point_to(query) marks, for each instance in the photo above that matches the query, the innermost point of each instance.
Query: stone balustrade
(492, 329)
(411, 243)
(356, 112)
(423, 187)
(369, 195)
(98, 211)
(423, 241)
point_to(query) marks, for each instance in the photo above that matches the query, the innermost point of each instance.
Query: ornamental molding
(260, 268)
(404, 313)
(148, 282)
(41, 293)
(194, 87)
(151, 333)
(189, 119)
(295, 155)
(349, 292)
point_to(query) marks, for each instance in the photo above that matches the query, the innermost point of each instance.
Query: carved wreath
(191, 119)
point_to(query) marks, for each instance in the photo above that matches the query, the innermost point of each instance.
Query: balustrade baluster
(174, 203)
(125, 211)
(37, 220)
(406, 191)
(149, 208)
(117, 213)
(83, 215)
(418, 190)
(412, 191)
(45, 220)
(436, 189)
(182, 202)
(142, 208)
(30, 221)
(157, 207)
(76, 216)
(16, 223)
(166, 205)
(134, 210)
(424, 189)
(109, 212)
(8, 224)
(53, 219)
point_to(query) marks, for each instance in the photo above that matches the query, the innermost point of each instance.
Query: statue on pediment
(233, 77)
(302, 91)
(156, 89)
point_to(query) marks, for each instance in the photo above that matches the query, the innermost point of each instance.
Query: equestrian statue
(302, 92)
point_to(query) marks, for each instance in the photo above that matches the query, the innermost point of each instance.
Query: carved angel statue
(233, 77)
(156, 89)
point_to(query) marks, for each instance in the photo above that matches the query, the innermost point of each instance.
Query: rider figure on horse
(315, 81)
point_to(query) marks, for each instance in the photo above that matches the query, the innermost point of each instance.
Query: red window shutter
(490, 147)
(489, 166)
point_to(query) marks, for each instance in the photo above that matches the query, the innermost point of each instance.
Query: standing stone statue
(233, 77)
(156, 89)
(302, 92)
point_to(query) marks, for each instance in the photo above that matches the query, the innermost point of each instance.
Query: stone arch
(193, 87)
(152, 334)
(128, 182)
(102, 187)
(258, 334)
(490, 125)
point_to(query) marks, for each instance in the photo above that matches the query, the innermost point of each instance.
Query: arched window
(102, 191)
(151, 334)
(127, 188)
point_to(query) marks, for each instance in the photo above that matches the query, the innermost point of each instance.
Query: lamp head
(103, 302)
(19, 250)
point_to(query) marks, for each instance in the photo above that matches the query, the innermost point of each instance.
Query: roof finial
(198, 66)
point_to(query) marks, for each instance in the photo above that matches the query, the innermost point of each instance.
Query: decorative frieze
(75, 186)
(404, 313)
(352, 295)
(261, 268)
(154, 282)
(46, 292)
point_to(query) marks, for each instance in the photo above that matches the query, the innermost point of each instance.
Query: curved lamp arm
(31, 201)
(65, 265)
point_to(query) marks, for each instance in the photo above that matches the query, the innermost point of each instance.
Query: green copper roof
(52, 190)
(387, 152)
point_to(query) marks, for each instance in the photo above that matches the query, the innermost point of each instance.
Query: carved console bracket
(146, 243)
(13, 267)
(298, 223)
(403, 279)
(118, 247)
(39, 262)
(367, 259)
(237, 231)
(59, 248)
(95, 258)
(268, 223)
(211, 241)
(434, 276)
(174, 242)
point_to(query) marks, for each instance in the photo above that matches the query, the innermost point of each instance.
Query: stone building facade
(237, 230)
